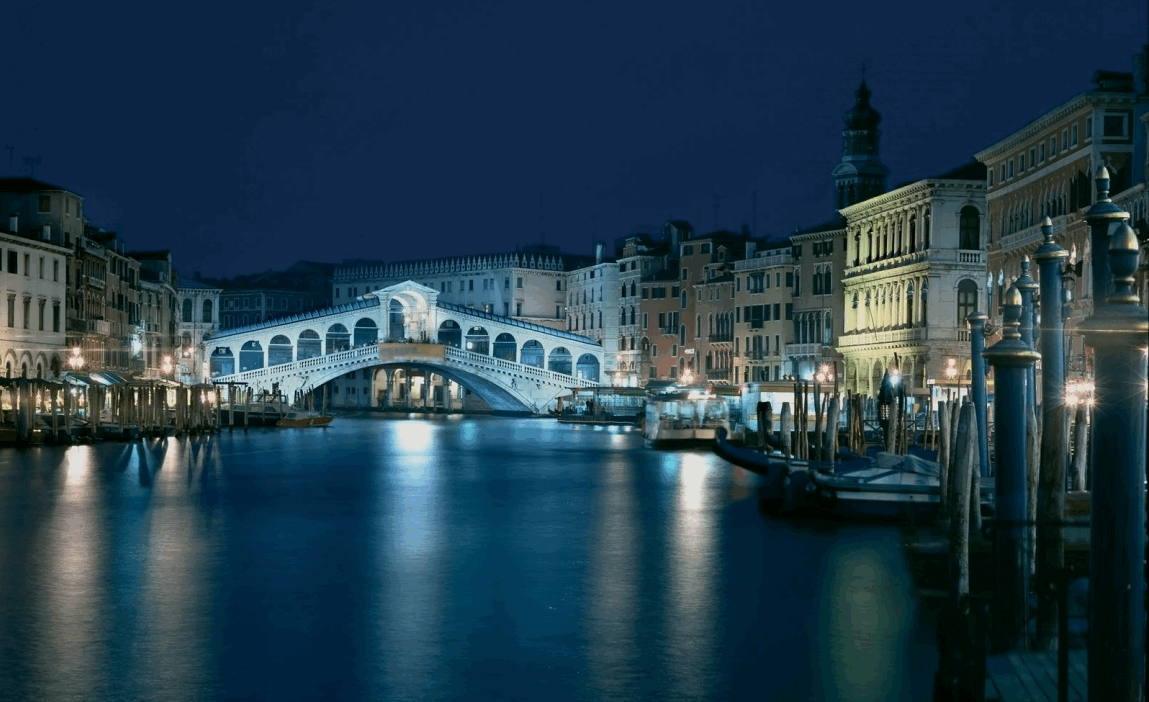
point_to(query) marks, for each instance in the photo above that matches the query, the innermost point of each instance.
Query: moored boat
(304, 419)
(685, 418)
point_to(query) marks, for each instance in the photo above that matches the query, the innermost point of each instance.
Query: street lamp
(825, 374)
(166, 366)
(75, 360)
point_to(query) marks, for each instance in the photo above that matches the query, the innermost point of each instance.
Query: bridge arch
(478, 340)
(505, 347)
(310, 345)
(559, 360)
(587, 368)
(450, 334)
(338, 339)
(396, 320)
(532, 355)
(250, 356)
(279, 350)
(366, 332)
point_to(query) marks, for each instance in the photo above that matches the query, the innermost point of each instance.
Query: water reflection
(422, 560)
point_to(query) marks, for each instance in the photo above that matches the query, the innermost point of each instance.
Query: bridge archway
(559, 360)
(222, 362)
(587, 368)
(279, 350)
(396, 320)
(532, 355)
(505, 347)
(478, 340)
(338, 339)
(450, 334)
(310, 345)
(366, 332)
(250, 356)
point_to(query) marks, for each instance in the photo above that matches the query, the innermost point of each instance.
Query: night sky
(245, 139)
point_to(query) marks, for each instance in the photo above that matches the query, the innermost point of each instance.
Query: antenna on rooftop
(31, 162)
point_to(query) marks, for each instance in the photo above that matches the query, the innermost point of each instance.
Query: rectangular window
(519, 283)
(1088, 129)
(1032, 157)
(777, 310)
(1064, 139)
(1011, 168)
(558, 310)
(27, 265)
(27, 311)
(559, 284)
(1041, 153)
(1114, 126)
(470, 285)
(1001, 174)
(41, 268)
(45, 203)
(12, 311)
(1052, 146)
(56, 316)
(506, 283)
(989, 183)
(40, 316)
(687, 250)
(789, 310)
(518, 309)
(705, 248)
(1073, 135)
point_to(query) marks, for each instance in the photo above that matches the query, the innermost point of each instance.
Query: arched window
(207, 311)
(187, 311)
(966, 300)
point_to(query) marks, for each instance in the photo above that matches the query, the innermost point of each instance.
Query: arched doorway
(559, 360)
(478, 340)
(250, 356)
(532, 354)
(505, 347)
(310, 345)
(366, 332)
(338, 338)
(450, 334)
(222, 362)
(278, 350)
(587, 368)
(396, 321)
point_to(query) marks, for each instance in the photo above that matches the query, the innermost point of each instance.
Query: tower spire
(860, 174)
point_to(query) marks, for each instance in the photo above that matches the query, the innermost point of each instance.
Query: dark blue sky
(247, 138)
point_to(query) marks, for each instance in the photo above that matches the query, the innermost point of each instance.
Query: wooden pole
(943, 451)
(1080, 448)
(787, 429)
(830, 450)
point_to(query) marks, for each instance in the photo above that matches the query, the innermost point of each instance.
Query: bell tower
(860, 174)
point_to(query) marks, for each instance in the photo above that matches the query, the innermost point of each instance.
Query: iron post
(1101, 215)
(1011, 358)
(977, 322)
(1051, 478)
(1117, 332)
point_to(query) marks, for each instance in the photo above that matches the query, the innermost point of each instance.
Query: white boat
(688, 417)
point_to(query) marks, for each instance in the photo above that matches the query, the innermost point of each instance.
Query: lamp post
(75, 359)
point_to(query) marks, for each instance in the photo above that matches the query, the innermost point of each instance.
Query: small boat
(855, 486)
(304, 419)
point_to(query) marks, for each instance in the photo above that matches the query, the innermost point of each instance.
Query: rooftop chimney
(46, 232)
(598, 253)
(14, 224)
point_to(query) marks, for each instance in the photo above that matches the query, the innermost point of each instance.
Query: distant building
(257, 297)
(527, 284)
(914, 269)
(107, 288)
(32, 332)
(37, 210)
(592, 309)
(819, 257)
(640, 258)
(764, 315)
(198, 306)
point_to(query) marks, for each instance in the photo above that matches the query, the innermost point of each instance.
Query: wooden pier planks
(1031, 676)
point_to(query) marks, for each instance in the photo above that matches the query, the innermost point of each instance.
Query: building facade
(639, 259)
(763, 315)
(198, 306)
(32, 335)
(1047, 168)
(592, 307)
(526, 284)
(819, 257)
(914, 272)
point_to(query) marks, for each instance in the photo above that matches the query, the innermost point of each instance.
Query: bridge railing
(355, 354)
(543, 374)
(511, 321)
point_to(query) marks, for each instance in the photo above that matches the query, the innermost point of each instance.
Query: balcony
(804, 350)
(889, 336)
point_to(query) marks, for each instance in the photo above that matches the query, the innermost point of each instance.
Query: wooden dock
(1030, 676)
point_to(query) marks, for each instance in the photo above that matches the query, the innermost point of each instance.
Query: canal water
(477, 558)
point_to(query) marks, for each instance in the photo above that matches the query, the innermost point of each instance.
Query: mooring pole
(1027, 286)
(1101, 215)
(977, 322)
(1117, 332)
(1011, 359)
(1051, 478)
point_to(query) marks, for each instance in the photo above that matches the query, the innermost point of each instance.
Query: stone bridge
(512, 365)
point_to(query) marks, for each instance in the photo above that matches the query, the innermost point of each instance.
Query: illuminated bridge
(510, 364)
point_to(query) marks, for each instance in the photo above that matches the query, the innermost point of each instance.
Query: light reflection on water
(434, 559)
